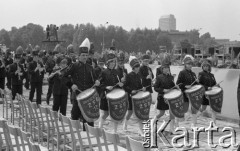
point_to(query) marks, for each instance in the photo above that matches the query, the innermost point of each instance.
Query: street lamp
(103, 37)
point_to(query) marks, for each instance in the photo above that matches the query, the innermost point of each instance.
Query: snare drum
(141, 104)
(173, 94)
(177, 106)
(195, 95)
(215, 90)
(117, 104)
(215, 97)
(88, 102)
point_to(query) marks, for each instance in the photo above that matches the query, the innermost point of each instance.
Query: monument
(51, 38)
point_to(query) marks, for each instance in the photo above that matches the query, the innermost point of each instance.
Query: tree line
(135, 40)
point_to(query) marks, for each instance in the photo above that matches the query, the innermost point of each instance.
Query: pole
(103, 40)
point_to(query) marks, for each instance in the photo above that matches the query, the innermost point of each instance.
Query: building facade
(167, 23)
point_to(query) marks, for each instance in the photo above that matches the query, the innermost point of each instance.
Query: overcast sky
(219, 17)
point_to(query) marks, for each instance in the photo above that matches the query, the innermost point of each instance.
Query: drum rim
(175, 97)
(115, 89)
(221, 90)
(141, 92)
(87, 96)
(186, 91)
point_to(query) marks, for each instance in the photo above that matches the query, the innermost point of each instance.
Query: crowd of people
(76, 72)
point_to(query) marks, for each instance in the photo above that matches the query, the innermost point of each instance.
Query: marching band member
(49, 68)
(207, 79)
(8, 61)
(60, 89)
(36, 72)
(109, 79)
(132, 86)
(164, 83)
(17, 74)
(2, 71)
(83, 77)
(120, 68)
(187, 77)
(146, 73)
(100, 67)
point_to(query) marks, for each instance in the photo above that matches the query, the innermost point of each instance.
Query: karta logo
(151, 133)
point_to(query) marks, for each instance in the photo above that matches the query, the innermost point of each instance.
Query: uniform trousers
(38, 87)
(76, 114)
(2, 83)
(60, 102)
(50, 87)
(49, 93)
(9, 80)
(16, 89)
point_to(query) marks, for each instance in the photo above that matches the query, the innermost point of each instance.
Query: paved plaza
(203, 121)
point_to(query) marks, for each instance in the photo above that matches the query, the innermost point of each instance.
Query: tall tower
(167, 23)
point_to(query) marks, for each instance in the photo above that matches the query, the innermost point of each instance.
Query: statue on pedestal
(52, 32)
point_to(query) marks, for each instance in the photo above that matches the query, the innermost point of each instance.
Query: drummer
(132, 85)
(83, 78)
(186, 78)
(164, 83)
(146, 73)
(207, 79)
(120, 67)
(109, 79)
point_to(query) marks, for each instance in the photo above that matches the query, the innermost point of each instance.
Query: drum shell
(117, 106)
(90, 114)
(142, 113)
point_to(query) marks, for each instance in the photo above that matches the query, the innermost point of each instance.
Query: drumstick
(118, 78)
(218, 83)
(174, 86)
(195, 80)
(78, 90)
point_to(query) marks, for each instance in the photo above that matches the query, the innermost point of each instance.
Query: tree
(65, 33)
(194, 36)
(5, 38)
(164, 40)
(206, 41)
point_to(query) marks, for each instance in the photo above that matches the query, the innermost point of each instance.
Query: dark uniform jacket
(82, 75)
(207, 79)
(98, 71)
(8, 62)
(109, 78)
(159, 71)
(133, 82)
(121, 72)
(35, 76)
(186, 77)
(163, 81)
(144, 72)
(15, 78)
(50, 63)
(60, 84)
(2, 70)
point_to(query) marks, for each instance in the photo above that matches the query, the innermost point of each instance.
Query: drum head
(193, 88)
(140, 94)
(116, 93)
(172, 94)
(83, 95)
(215, 90)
